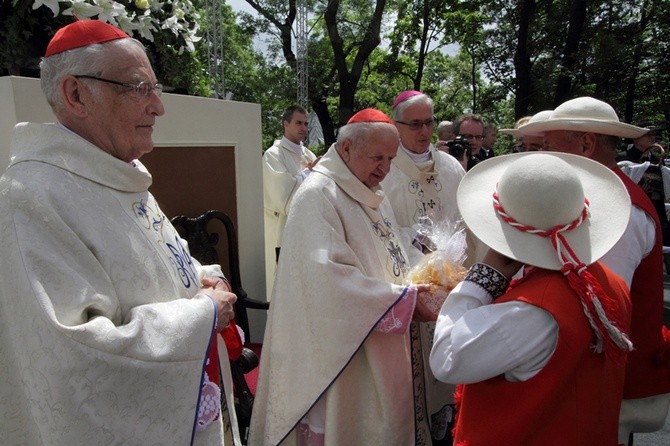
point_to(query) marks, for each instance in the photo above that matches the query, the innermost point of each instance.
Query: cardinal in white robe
(336, 367)
(108, 327)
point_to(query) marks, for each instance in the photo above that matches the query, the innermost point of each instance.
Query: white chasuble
(415, 193)
(103, 336)
(340, 272)
(281, 168)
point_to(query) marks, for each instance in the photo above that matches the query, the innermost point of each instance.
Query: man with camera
(471, 128)
(459, 148)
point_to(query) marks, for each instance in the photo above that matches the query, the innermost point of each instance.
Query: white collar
(297, 148)
(417, 157)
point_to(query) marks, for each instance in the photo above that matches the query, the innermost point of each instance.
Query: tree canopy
(501, 59)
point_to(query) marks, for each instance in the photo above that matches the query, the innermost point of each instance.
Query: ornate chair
(202, 246)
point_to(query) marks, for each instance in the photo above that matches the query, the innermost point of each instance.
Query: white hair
(398, 113)
(89, 60)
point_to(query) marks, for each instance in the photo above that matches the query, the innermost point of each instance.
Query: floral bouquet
(442, 268)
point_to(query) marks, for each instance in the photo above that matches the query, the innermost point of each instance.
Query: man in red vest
(542, 360)
(591, 128)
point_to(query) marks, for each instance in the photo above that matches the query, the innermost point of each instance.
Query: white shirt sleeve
(475, 341)
(633, 246)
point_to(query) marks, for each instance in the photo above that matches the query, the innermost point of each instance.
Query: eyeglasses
(469, 137)
(143, 89)
(416, 125)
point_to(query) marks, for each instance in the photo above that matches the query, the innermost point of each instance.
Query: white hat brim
(620, 129)
(518, 133)
(609, 205)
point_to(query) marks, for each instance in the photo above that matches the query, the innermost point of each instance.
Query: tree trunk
(574, 37)
(522, 65)
(629, 110)
(348, 80)
(321, 109)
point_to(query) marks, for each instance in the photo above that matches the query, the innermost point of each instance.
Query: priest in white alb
(286, 164)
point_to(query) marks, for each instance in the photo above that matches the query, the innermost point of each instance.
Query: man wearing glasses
(471, 127)
(422, 182)
(108, 327)
(421, 187)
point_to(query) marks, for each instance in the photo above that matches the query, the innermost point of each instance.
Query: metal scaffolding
(214, 38)
(301, 65)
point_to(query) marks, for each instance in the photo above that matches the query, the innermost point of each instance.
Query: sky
(240, 5)
(260, 44)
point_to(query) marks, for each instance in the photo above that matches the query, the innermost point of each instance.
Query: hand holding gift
(441, 269)
(423, 312)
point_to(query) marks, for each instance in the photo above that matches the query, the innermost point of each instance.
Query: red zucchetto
(370, 115)
(405, 95)
(82, 33)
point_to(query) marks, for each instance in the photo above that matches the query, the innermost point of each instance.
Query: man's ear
(75, 95)
(589, 144)
(344, 149)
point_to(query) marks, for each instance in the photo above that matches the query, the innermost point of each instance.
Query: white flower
(156, 5)
(51, 4)
(172, 24)
(128, 23)
(83, 10)
(142, 17)
(110, 11)
(145, 26)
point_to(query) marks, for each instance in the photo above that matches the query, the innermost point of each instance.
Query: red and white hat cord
(595, 303)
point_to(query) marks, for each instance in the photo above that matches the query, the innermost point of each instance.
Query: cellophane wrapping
(443, 268)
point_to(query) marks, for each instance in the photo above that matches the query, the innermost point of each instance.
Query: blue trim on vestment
(202, 374)
(345, 366)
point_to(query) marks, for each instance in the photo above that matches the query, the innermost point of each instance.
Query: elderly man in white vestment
(286, 164)
(336, 367)
(422, 184)
(108, 327)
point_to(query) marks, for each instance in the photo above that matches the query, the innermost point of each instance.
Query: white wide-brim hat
(523, 130)
(544, 190)
(585, 114)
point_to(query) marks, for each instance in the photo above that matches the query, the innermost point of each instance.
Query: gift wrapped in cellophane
(442, 268)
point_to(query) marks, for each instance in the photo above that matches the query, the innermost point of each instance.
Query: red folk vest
(648, 369)
(574, 400)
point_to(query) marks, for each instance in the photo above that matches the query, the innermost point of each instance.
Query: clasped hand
(219, 291)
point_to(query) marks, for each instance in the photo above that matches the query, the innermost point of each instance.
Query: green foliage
(466, 54)
(25, 33)
(183, 73)
(24, 36)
